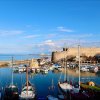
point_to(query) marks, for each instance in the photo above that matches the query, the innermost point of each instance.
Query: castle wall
(74, 52)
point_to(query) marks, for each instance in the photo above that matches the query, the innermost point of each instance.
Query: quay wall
(57, 55)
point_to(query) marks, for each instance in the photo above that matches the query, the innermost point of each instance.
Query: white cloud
(48, 45)
(31, 36)
(10, 32)
(49, 42)
(62, 29)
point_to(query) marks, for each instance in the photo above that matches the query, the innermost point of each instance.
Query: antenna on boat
(12, 70)
(79, 63)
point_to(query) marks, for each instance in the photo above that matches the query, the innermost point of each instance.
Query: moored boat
(44, 70)
(65, 85)
(28, 90)
(11, 91)
(28, 93)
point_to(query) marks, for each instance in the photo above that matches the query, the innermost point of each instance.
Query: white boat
(22, 68)
(11, 91)
(68, 86)
(76, 88)
(65, 85)
(28, 91)
(44, 70)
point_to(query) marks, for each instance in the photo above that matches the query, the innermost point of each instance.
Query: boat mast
(65, 62)
(27, 80)
(12, 70)
(79, 63)
(65, 68)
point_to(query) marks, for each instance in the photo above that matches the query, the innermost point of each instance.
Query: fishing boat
(11, 91)
(28, 91)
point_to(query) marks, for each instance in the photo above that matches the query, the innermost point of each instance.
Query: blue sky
(32, 26)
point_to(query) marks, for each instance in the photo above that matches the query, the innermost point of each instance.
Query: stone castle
(58, 55)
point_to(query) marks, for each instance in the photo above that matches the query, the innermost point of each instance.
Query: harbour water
(41, 81)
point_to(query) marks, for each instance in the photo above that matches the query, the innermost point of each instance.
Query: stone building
(34, 63)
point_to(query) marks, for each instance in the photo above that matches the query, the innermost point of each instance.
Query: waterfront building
(34, 63)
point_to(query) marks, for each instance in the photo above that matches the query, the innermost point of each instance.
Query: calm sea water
(8, 57)
(41, 81)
